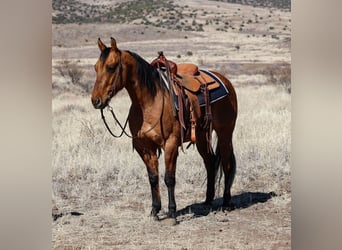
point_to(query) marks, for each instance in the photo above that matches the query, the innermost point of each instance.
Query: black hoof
(171, 214)
(154, 214)
(155, 218)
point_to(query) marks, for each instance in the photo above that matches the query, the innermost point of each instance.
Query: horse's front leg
(149, 155)
(171, 154)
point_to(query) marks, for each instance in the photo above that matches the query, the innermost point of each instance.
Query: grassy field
(100, 193)
(102, 178)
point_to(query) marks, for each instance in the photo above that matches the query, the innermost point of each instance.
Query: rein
(123, 128)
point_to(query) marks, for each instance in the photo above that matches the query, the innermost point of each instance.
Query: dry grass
(102, 178)
(263, 139)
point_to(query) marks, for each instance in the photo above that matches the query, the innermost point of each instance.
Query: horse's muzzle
(97, 103)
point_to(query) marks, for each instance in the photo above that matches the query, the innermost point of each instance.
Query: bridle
(117, 74)
(123, 127)
(111, 93)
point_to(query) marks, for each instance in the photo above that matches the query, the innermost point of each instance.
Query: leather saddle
(188, 74)
(192, 78)
(191, 89)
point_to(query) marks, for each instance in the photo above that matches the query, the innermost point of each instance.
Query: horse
(154, 127)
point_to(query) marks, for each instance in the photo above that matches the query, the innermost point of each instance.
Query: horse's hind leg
(228, 165)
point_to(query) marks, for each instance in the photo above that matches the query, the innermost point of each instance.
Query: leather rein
(123, 127)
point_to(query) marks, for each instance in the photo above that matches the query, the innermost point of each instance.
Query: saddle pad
(215, 94)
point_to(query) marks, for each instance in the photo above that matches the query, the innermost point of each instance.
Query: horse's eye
(111, 68)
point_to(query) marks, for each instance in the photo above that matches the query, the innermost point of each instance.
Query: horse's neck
(140, 96)
(139, 93)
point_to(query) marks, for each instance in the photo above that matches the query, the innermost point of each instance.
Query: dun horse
(154, 126)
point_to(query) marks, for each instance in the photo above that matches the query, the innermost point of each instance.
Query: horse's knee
(153, 178)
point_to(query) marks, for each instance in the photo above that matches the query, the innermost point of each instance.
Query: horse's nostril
(97, 102)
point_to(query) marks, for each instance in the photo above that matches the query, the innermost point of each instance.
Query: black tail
(232, 163)
(217, 163)
(219, 168)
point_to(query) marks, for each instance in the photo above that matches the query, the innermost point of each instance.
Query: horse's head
(108, 75)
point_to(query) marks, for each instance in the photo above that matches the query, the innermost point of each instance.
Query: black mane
(147, 75)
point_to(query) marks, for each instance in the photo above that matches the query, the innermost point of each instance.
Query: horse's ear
(113, 44)
(101, 45)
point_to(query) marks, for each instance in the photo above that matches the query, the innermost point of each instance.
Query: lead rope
(117, 121)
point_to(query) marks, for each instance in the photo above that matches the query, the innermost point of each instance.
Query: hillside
(158, 13)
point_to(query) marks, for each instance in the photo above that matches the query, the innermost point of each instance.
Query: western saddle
(185, 82)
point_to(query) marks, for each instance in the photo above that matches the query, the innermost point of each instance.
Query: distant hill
(73, 11)
(279, 4)
(159, 13)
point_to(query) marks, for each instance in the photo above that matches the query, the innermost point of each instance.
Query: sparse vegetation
(70, 70)
(281, 4)
(280, 75)
(76, 78)
(157, 13)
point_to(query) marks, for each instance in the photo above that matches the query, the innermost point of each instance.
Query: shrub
(74, 74)
(280, 75)
(70, 70)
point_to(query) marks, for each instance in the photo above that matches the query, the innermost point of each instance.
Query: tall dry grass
(90, 168)
(263, 139)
